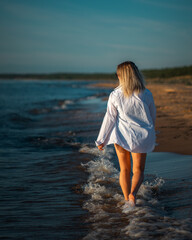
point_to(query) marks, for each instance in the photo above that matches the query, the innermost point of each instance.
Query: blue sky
(45, 36)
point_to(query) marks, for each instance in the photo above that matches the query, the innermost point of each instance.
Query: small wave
(91, 97)
(55, 105)
(93, 150)
(16, 121)
(37, 111)
(63, 104)
(53, 141)
(18, 118)
(108, 218)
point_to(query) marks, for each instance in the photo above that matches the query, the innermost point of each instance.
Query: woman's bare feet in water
(132, 199)
(129, 205)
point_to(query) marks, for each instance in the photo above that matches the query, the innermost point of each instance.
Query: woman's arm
(108, 123)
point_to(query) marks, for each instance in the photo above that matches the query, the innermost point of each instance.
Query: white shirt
(129, 121)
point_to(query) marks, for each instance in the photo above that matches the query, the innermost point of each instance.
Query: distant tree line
(148, 73)
(167, 72)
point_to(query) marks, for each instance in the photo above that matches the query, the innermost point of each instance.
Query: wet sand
(174, 116)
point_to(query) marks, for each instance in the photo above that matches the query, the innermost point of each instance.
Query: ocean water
(55, 184)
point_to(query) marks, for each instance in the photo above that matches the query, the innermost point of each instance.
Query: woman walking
(129, 124)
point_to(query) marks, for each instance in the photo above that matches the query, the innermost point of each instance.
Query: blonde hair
(130, 78)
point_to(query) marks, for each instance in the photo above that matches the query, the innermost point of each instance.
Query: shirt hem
(128, 149)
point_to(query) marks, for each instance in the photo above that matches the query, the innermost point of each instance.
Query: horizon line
(89, 73)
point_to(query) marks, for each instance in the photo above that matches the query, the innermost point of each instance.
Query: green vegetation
(182, 75)
(164, 75)
(168, 72)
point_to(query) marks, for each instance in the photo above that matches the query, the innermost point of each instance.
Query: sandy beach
(174, 116)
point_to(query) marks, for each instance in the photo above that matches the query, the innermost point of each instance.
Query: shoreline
(174, 115)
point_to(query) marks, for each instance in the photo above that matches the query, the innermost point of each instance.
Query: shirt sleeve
(108, 122)
(152, 109)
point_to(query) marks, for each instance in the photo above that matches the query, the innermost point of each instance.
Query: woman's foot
(132, 199)
(128, 207)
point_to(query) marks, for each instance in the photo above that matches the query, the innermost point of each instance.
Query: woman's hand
(100, 147)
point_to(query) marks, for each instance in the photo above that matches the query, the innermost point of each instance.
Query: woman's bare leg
(138, 173)
(125, 170)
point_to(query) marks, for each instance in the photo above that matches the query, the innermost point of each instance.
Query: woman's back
(129, 124)
(129, 121)
(138, 109)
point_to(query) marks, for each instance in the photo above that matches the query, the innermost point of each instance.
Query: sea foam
(110, 218)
